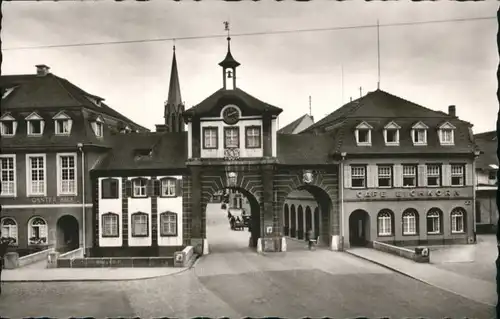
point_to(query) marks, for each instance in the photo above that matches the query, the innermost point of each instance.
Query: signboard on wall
(55, 200)
(410, 194)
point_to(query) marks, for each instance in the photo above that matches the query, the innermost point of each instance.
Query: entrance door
(358, 223)
(68, 236)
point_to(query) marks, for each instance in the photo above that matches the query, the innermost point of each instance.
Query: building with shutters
(486, 182)
(52, 133)
(407, 172)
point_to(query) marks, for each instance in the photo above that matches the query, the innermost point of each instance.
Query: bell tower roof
(229, 61)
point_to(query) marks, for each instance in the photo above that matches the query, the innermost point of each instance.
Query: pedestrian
(310, 238)
(4, 244)
(231, 222)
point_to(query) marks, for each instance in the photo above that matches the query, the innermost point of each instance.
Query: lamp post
(341, 189)
(84, 230)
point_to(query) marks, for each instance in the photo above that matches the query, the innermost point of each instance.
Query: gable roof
(290, 128)
(50, 91)
(487, 143)
(237, 96)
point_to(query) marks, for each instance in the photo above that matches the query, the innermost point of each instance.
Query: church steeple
(229, 65)
(174, 106)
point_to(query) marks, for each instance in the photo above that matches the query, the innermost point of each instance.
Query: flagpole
(378, 54)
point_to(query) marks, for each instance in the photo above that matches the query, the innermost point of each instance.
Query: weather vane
(226, 27)
(174, 44)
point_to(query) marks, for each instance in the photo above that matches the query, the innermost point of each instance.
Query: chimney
(42, 70)
(160, 128)
(452, 111)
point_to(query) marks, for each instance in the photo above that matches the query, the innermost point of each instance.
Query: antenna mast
(310, 108)
(378, 54)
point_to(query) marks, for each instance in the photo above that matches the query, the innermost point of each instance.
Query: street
(234, 281)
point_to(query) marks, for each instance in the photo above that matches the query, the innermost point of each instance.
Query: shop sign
(408, 194)
(54, 200)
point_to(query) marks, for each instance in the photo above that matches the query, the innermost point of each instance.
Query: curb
(415, 278)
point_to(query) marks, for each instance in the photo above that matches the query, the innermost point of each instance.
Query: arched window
(9, 230)
(458, 220)
(434, 216)
(37, 231)
(168, 224)
(410, 222)
(110, 188)
(140, 224)
(384, 219)
(110, 225)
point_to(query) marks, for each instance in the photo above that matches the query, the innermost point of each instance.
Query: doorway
(359, 228)
(68, 234)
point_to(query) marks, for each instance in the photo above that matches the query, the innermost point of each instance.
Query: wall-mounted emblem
(232, 178)
(307, 176)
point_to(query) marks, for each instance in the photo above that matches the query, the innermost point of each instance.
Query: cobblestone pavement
(234, 281)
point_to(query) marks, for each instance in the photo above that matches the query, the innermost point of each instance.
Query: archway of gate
(310, 206)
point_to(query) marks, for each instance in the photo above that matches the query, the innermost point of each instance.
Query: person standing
(310, 238)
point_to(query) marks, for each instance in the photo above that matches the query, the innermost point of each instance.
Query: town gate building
(52, 135)
(152, 189)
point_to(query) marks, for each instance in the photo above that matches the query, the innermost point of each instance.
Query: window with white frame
(109, 225)
(392, 136)
(457, 175)
(67, 174)
(168, 224)
(231, 137)
(458, 220)
(446, 136)
(63, 126)
(363, 136)
(210, 137)
(8, 126)
(37, 231)
(433, 175)
(168, 187)
(409, 175)
(384, 176)
(98, 127)
(253, 137)
(35, 125)
(434, 221)
(410, 222)
(419, 134)
(384, 219)
(8, 175)
(110, 188)
(139, 187)
(140, 224)
(36, 175)
(9, 230)
(358, 176)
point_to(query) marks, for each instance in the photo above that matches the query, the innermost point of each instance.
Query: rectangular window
(433, 224)
(8, 175)
(7, 128)
(409, 175)
(433, 175)
(210, 138)
(62, 127)
(231, 137)
(139, 186)
(391, 136)
(492, 176)
(67, 174)
(409, 224)
(139, 225)
(110, 225)
(457, 175)
(109, 188)
(253, 137)
(363, 136)
(168, 224)
(36, 175)
(385, 176)
(446, 136)
(419, 136)
(35, 127)
(358, 176)
(168, 187)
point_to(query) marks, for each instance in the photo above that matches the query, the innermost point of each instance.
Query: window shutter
(371, 176)
(156, 187)
(149, 187)
(128, 188)
(422, 175)
(347, 176)
(446, 174)
(469, 180)
(397, 177)
(103, 188)
(178, 187)
(115, 188)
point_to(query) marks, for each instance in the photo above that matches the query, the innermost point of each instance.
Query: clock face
(231, 115)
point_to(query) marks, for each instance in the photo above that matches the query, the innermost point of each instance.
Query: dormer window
(62, 123)
(7, 91)
(363, 134)
(35, 124)
(446, 134)
(391, 134)
(98, 126)
(419, 134)
(8, 125)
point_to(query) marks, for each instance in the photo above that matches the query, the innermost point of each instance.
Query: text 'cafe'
(408, 194)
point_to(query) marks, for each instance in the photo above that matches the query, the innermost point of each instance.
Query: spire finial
(174, 45)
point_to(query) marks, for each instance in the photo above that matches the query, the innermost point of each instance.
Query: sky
(434, 65)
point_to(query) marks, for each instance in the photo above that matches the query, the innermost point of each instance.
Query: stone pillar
(196, 210)
(271, 239)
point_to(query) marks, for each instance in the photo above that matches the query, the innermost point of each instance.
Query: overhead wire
(200, 37)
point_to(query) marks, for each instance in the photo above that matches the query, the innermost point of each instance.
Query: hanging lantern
(232, 178)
